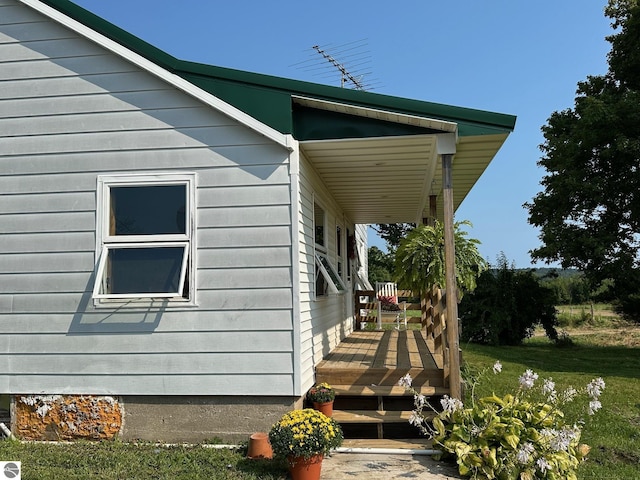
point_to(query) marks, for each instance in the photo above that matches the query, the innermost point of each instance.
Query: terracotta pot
(302, 468)
(326, 408)
(259, 446)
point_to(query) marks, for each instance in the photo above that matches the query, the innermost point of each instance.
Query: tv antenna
(350, 66)
(344, 73)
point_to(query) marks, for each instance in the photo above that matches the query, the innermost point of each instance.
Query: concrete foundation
(229, 419)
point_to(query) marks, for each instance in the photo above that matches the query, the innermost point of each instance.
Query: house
(182, 241)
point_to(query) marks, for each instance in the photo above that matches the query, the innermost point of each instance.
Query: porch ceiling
(390, 179)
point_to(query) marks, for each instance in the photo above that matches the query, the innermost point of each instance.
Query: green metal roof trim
(268, 98)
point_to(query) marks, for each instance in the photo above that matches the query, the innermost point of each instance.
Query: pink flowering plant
(520, 436)
(321, 393)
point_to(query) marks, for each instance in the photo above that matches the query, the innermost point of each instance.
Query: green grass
(614, 432)
(117, 460)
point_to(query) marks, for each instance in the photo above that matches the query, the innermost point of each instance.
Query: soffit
(390, 179)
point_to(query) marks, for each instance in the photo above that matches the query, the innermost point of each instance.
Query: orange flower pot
(302, 468)
(325, 408)
(259, 446)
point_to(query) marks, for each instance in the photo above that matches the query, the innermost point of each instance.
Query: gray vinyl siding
(324, 321)
(71, 111)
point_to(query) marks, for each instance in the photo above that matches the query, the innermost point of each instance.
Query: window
(339, 249)
(327, 279)
(145, 233)
(333, 282)
(319, 227)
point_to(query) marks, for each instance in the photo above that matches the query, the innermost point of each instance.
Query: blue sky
(509, 56)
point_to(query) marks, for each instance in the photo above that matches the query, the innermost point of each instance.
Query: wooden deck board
(381, 358)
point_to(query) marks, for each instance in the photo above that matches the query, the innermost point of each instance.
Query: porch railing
(433, 313)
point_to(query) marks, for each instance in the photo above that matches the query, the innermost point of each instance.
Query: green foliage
(304, 433)
(525, 435)
(393, 233)
(380, 265)
(420, 260)
(506, 306)
(589, 211)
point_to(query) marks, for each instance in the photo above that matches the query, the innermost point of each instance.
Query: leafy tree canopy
(380, 265)
(589, 210)
(393, 233)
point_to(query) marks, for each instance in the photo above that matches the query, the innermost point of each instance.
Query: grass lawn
(613, 434)
(613, 354)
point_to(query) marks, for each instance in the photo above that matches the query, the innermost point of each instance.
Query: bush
(524, 435)
(506, 307)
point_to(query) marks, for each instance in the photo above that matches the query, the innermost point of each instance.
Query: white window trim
(105, 241)
(335, 287)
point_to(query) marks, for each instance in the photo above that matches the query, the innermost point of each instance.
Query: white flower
(528, 379)
(549, 386)
(405, 381)
(419, 400)
(450, 405)
(497, 367)
(594, 406)
(543, 465)
(569, 394)
(524, 454)
(595, 387)
(415, 419)
(562, 439)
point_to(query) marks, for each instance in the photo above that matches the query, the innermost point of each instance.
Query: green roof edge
(483, 121)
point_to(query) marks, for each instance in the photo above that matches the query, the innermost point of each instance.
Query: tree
(507, 306)
(420, 264)
(380, 265)
(589, 210)
(393, 233)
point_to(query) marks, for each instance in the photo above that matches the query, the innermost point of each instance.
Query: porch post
(453, 340)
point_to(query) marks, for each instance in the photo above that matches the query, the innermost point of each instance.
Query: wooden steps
(386, 390)
(365, 369)
(400, 443)
(372, 416)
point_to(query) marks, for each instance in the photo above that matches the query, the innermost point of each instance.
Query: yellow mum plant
(304, 433)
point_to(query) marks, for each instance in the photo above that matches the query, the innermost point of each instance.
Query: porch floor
(380, 358)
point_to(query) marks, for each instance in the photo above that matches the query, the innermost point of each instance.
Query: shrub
(506, 306)
(520, 436)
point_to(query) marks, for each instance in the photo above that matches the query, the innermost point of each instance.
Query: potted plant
(322, 397)
(304, 437)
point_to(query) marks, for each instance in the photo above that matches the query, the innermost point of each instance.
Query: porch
(365, 367)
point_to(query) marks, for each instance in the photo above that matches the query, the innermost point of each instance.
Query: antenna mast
(344, 73)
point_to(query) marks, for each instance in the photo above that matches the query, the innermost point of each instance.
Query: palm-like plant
(420, 263)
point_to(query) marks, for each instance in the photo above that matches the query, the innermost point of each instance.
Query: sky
(510, 56)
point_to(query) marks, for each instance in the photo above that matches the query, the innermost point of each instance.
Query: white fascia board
(377, 114)
(171, 78)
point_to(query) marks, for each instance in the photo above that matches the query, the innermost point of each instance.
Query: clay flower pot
(324, 407)
(259, 446)
(302, 468)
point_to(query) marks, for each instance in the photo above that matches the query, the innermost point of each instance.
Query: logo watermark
(11, 470)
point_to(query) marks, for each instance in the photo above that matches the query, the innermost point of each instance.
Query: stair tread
(373, 416)
(386, 390)
(404, 444)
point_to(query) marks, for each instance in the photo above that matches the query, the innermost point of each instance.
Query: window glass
(144, 270)
(318, 222)
(332, 280)
(148, 210)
